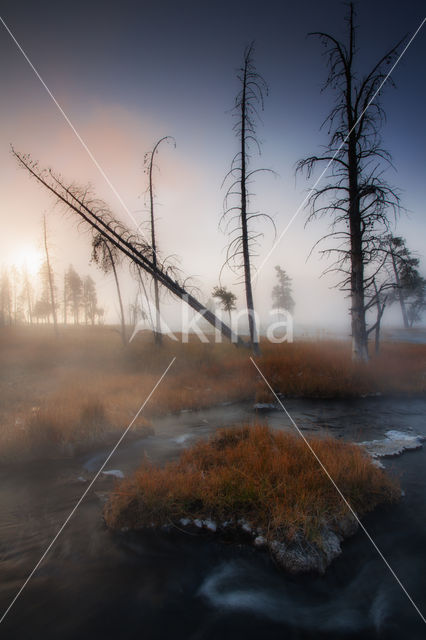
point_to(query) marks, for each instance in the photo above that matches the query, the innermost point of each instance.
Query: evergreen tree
(282, 297)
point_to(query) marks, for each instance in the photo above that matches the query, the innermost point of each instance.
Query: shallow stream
(96, 584)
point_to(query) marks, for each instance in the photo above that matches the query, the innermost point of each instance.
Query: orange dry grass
(84, 385)
(325, 369)
(269, 478)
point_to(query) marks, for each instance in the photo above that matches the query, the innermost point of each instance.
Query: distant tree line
(27, 300)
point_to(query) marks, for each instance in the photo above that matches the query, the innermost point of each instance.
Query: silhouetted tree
(74, 289)
(42, 310)
(357, 196)
(236, 213)
(378, 300)
(107, 257)
(5, 299)
(282, 295)
(409, 284)
(417, 305)
(89, 300)
(227, 300)
(26, 295)
(149, 164)
(43, 305)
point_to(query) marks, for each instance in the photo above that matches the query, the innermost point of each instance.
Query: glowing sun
(28, 258)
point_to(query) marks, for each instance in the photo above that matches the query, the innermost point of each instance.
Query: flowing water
(95, 584)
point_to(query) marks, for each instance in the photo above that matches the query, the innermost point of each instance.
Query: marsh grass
(84, 386)
(269, 478)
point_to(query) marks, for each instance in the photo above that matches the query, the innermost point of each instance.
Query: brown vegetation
(268, 478)
(84, 385)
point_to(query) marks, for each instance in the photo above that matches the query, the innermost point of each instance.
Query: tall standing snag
(49, 274)
(357, 196)
(149, 162)
(238, 216)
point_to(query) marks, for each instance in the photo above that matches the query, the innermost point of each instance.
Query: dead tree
(237, 216)
(149, 163)
(377, 300)
(50, 277)
(96, 214)
(357, 196)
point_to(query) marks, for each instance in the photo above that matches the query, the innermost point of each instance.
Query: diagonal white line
(339, 491)
(312, 189)
(86, 491)
(74, 130)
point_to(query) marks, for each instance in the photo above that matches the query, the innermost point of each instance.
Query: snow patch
(245, 526)
(209, 524)
(114, 472)
(393, 444)
(185, 521)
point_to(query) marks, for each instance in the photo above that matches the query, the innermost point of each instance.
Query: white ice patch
(393, 444)
(114, 472)
(185, 521)
(209, 524)
(245, 526)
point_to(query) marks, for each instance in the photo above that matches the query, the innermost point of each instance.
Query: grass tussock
(269, 478)
(85, 385)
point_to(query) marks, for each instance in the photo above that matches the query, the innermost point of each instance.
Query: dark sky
(128, 72)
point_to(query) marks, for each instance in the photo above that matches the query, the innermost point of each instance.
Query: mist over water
(98, 584)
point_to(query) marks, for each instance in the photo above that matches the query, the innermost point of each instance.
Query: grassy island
(260, 484)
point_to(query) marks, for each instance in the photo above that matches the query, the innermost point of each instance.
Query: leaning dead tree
(237, 215)
(357, 197)
(149, 163)
(96, 214)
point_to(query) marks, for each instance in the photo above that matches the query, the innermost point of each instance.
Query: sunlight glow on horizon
(27, 258)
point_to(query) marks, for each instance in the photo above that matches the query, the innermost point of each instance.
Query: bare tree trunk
(380, 310)
(157, 331)
(399, 288)
(120, 301)
(142, 284)
(359, 327)
(254, 340)
(50, 277)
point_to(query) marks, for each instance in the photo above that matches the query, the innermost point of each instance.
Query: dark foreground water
(94, 584)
